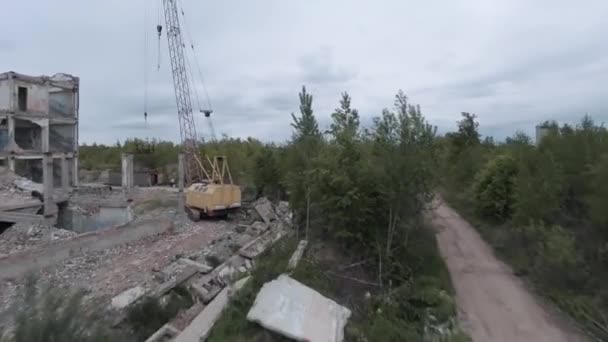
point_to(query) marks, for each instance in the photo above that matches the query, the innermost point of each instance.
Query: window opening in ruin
(22, 95)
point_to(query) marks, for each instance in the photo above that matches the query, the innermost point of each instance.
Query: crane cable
(198, 67)
(202, 79)
(159, 30)
(146, 81)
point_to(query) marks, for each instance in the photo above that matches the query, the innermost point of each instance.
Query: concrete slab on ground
(291, 309)
(201, 326)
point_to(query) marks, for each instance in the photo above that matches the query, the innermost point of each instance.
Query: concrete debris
(240, 228)
(27, 185)
(291, 309)
(242, 240)
(16, 191)
(284, 212)
(264, 209)
(259, 227)
(297, 255)
(184, 274)
(203, 268)
(202, 256)
(258, 246)
(165, 333)
(128, 297)
(201, 326)
(24, 236)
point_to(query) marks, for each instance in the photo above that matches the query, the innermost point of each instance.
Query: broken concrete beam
(260, 226)
(291, 309)
(203, 268)
(128, 297)
(165, 287)
(165, 333)
(201, 326)
(258, 246)
(297, 255)
(206, 294)
(264, 209)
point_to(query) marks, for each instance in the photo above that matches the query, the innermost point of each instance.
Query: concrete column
(75, 171)
(127, 171)
(11, 163)
(131, 177)
(45, 137)
(180, 183)
(11, 129)
(47, 184)
(65, 173)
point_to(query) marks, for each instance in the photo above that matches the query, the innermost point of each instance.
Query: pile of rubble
(209, 271)
(25, 236)
(15, 190)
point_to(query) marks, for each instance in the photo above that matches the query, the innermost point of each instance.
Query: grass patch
(233, 324)
(401, 316)
(49, 313)
(151, 314)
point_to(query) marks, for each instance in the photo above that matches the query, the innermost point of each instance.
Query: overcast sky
(512, 62)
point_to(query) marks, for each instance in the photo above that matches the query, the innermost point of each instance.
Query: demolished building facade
(38, 118)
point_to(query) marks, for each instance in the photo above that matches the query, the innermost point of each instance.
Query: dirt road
(493, 304)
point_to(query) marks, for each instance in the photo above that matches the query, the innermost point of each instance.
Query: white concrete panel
(298, 312)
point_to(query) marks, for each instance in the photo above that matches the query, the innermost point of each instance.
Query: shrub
(493, 188)
(49, 313)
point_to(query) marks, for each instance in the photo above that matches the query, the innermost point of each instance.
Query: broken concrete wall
(5, 97)
(21, 263)
(39, 92)
(29, 168)
(114, 178)
(4, 136)
(142, 178)
(62, 138)
(62, 103)
(37, 100)
(28, 135)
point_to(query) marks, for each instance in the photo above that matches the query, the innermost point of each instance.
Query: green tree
(266, 174)
(301, 157)
(493, 187)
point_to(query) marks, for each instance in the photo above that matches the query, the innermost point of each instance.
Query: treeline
(364, 190)
(161, 155)
(544, 208)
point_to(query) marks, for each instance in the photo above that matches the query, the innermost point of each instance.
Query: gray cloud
(513, 62)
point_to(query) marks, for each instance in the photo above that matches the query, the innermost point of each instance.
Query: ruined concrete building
(38, 117)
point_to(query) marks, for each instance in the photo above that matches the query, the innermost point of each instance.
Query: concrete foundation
(19, 264)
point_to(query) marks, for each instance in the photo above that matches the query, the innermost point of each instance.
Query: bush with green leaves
(493, 187)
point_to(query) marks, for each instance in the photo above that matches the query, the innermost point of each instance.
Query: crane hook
(159, 29)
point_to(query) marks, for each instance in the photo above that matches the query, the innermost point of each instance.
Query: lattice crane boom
(189, 139)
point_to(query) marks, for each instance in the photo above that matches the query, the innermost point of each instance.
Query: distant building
(541, 132)
(39, 115)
